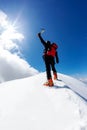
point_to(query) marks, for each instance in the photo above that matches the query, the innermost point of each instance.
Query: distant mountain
(84, 80)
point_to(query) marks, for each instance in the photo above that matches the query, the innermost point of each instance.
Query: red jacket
(52, 50)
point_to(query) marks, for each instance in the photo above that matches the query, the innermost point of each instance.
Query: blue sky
(65, 22)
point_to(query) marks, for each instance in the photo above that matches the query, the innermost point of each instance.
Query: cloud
(3, 17)
(9, 36)
(12, 66)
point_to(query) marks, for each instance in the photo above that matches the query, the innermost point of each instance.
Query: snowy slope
(77, 86)
(26, 104)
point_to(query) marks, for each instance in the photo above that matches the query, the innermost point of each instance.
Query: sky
(65, 23)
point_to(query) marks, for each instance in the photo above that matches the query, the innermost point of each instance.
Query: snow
(25, 104)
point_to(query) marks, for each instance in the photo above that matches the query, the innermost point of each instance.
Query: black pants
(50, 64)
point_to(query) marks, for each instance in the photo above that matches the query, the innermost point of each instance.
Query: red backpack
(52, 50)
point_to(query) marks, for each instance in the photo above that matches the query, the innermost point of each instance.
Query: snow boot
(55, 76)
(49, 83)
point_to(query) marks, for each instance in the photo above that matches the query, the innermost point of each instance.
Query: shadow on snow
(65, 86)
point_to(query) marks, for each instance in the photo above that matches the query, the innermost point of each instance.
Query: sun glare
(10, 36)
(9, 33)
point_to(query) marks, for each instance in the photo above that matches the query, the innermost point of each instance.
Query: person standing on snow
(49, 55)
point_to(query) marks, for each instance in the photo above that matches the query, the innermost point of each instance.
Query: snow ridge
(27, 104)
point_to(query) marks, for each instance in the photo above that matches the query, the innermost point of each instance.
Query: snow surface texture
(26, 104)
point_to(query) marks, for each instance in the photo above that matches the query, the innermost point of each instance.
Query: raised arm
(42, 40)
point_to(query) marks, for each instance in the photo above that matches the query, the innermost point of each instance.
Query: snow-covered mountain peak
(27, 104)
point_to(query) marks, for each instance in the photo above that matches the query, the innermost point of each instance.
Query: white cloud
(9, 33)
(3, 17)
(12, 66)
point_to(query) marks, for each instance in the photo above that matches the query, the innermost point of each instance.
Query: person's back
(52, 49)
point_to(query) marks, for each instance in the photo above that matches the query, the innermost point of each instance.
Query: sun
(11, 33)
(8, 33)
(10, 36)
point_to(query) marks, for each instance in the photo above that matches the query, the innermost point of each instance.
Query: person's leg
(53, 68)
(48, 72)
(47, 65)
